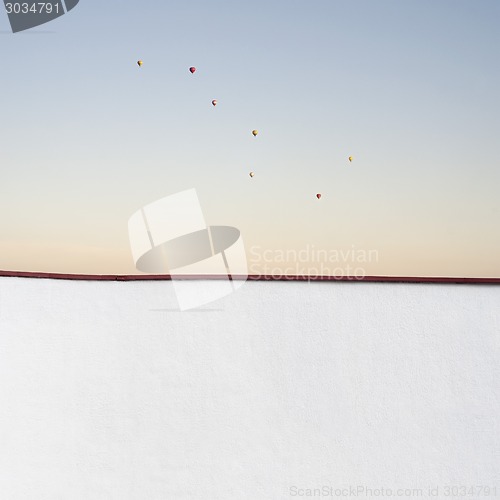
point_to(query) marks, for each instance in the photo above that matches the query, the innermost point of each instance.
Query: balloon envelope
(254, 132)
(251, 174)
(214, 102)
(350, 158)
(318, 196)
(192, 69)
(139, 63)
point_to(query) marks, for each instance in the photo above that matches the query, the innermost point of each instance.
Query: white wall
(107, 391)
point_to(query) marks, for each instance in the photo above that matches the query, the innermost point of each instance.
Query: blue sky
(410, 89)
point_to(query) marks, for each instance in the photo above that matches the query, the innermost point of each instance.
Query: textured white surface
(107, 391)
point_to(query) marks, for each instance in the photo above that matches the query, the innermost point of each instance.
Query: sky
(410, 90)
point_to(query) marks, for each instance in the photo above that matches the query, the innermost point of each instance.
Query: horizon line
(254, 277)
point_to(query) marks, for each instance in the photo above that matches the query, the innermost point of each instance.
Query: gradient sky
(410, 89)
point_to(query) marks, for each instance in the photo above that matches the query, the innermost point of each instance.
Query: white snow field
(279, 390)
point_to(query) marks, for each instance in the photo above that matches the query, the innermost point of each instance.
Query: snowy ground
(280, 390)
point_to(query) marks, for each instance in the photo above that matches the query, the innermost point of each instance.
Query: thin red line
(167, 277)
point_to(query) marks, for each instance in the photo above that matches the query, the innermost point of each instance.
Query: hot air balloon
(192, 69)
(139, 63)
(350, 158)
(251, 174)
(214, 102)
(318, 196)
(255, 132)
